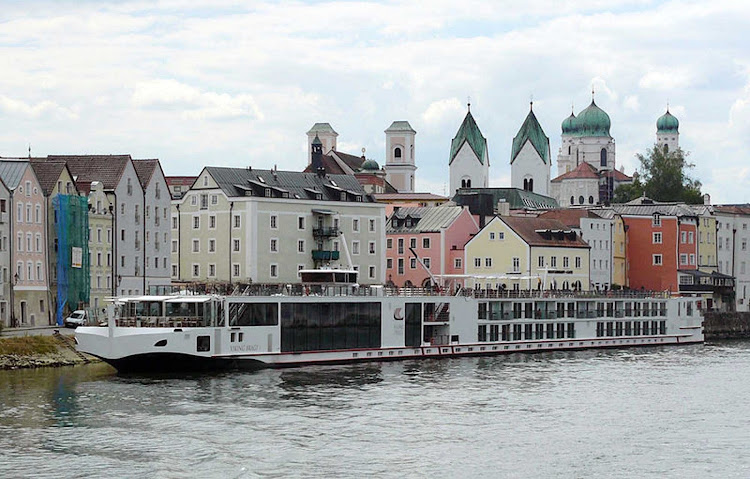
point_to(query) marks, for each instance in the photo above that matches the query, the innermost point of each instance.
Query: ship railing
(160, 322)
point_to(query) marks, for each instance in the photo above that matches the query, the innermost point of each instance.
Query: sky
(228, 83)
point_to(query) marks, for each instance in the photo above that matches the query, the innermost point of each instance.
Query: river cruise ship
(293, 325)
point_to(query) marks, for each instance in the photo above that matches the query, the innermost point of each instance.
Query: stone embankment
(40, 351)
(726, 325)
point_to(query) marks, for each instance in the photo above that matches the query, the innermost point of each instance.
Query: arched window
(570, 149)
(580, 200)
(463, 183)
(525, 184)
(397, 152)
(468, 183)
(666, 148)
(572, 200)
(591, 200)
(603, 156)
(531, 184)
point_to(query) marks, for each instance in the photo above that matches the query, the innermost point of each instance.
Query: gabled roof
(617, 175)
(11, 172)
(145, 170)
(180, 180)
(531, 131)
(569, 217)
(330, 164)
(543, 232)
(107, 169)
(48, 173)
(584, 170)
(430, 219)
(238, 181)
(352, 161)
(646, 207)
(733, 209)
(469, 133)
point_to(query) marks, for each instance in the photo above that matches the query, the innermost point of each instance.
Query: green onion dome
(593, 121)
(667, 123)
(570, 125)
(370, 165)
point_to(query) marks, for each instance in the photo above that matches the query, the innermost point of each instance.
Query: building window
(603, 157)
(355, 247)
(657, 260)
(274, 245)
(413, 263)
(397, 152)
(174, 246)
(211, 270)
(236, 221)
(371, 272)
(412, 242)
(196, 222)
(212, 246)
(401, 246)
(691, 237)
(300, 246)
(572, 200)
(372, 226)
(355, 225)
(426, 243)
(236, 245)
(553, 262)
(212, 221)
(540, 261)
(744, 245)
(274, 224)
(492, 236)
(371, 247)
(300, 222)
(400, 266)
(683, 259)
(457, 263)
(591, 200)
(196, 270)
(274, 271)
(656, 238)
(683, 237)
(427, 262)
(236, 270)
(692, 259)
(516, 265)
(389, 243)
(488, 262)
(477, 262)
(196, 246)
(174, 222)
(566, 262)
(656, 221)
(580, 200)
(389, 263)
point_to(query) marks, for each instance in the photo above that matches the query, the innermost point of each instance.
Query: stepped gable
(469, 133)
(531, 131)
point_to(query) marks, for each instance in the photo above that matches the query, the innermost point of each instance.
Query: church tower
(530, 158)
(399, 156)
(469, 161)
(667, 131)
(326, 136)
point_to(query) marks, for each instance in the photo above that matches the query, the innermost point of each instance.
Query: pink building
(436, 233)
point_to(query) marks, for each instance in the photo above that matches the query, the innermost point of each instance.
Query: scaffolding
(73, 277)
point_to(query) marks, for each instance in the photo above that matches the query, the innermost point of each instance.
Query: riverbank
(40, 351)
(726, 325)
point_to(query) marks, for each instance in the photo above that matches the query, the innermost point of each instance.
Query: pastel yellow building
(527, 253)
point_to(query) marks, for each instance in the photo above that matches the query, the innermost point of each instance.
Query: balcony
(324, 255)
(325, 231)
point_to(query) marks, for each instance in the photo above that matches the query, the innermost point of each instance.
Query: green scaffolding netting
(72, 227)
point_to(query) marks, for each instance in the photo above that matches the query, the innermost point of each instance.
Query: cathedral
(469, 161)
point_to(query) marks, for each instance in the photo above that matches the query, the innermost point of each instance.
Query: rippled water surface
(653, 412)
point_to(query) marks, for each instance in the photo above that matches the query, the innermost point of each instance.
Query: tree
(663, 177)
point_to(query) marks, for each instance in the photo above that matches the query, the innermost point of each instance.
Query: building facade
(240, 225)
(469, 160)
(436, 234)
(530, 161)
(400, 165)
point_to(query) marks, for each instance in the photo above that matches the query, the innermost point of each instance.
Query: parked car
(76, 318)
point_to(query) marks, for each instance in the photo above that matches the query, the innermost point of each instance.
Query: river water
(648, 412)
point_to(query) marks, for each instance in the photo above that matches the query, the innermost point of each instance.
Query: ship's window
(253, 314)
(327, 326)
(161, 343)
(203, 343)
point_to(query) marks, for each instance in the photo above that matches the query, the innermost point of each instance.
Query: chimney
(706, 199)
(503, 207)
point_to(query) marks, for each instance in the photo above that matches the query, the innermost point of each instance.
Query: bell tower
(400, 166)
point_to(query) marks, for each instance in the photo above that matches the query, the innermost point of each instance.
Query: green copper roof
(593, 121)
(667, 123)
(401, 126)
(570, 125)
(370, 165)
(469, 133)
(531, 131)
(316, 140)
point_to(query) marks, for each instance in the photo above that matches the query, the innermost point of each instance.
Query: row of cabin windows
(628, 328)
(527, 332)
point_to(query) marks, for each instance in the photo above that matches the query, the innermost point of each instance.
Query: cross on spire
(468, 103)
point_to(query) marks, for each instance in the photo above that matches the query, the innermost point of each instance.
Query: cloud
(631, 103)
(442, 110)
(668, 80)
(45, 107)
(194, 103)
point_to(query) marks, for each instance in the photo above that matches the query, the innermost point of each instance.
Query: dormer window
(343, 196)
(319, 196)
(359, 198)
(407, 222)
(260, 178)
(334, 183)
(268, 192)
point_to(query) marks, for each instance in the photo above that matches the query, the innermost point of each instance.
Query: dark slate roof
(469, 133)
(352, 161)
(396, 196)
(243, 182)
(544, 232)
(330, 165)
(646, 207)
(11, 171)
(47, 172)
(531, 131)
(517, 198)
(145, 170)
(107, 169)
(569, 217)
(429, 219)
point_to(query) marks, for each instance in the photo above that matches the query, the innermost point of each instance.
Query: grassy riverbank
(39, 351)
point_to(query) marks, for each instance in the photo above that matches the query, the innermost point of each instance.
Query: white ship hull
(435, 327)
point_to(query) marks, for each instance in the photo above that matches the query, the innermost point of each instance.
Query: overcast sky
(227, 83)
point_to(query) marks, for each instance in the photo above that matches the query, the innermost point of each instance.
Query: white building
(400, 165)
(469, 161)
(733, 235)
(530, 157)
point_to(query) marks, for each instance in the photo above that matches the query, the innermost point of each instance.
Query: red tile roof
(544, 232)
(145, 170)
(569, 217)
(107, 169)
(584, 170)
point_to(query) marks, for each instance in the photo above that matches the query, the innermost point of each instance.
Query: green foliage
(663, 177)
(28, 345)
